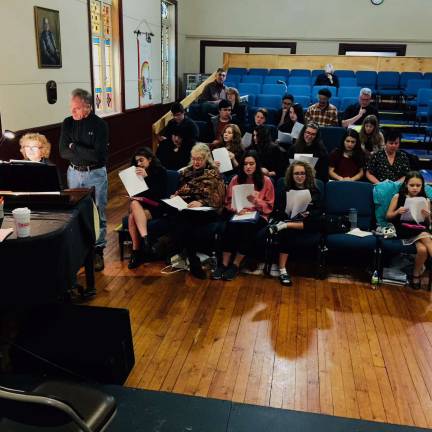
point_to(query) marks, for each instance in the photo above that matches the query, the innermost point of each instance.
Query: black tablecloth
(40, 268)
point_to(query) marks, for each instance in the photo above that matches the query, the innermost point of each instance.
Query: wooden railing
(188, 100)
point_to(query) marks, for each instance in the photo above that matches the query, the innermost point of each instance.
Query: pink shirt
(265, 201)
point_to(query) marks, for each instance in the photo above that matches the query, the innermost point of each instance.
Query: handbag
(336, 224)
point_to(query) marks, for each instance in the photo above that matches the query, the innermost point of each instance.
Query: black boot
(134, 260)
(195, 267)
(99, 263)
(146, 248)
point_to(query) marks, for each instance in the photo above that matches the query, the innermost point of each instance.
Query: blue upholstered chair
(299, 90)
(280, 72)
(346, 101)
(258, 71)
(348, 92)
(237, 71)
(367, 79)
(340, 196)
(268, 101)
(407, 76)
(388, 83)
(299, 80)
(344, 73)
(300, 72)
(249, 88)
(249, 79)
(332, 137)
(273, 79)
(348, 82)
(273, 89)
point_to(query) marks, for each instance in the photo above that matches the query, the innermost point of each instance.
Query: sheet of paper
(297, 202)
(221, 155)
(414, 206)
(246, 140)
(297, 128)
(134, 184)
(305, 158)
(244, 217)
(203, 208)
(4, 233)
(359, 233)
(284, 137)
(177, 202)
(240, 194)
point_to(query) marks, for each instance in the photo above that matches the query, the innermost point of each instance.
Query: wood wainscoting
(127, 131)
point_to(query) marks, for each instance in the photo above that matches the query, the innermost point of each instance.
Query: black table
(43, 267)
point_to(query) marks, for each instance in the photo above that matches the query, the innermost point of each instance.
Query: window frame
(117, 59)
(399, 49)
(176, 88)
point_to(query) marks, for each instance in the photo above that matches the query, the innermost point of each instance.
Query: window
(380, 50)
(104, 53)
(168, 54)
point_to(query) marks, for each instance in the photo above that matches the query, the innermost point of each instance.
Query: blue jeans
(87, 179)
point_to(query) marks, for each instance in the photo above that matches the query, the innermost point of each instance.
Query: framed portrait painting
(47, 25)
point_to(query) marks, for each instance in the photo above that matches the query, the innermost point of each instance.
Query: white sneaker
(274, 271)
(258, 271)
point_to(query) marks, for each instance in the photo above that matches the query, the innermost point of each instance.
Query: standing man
(356, 113)
(84, 143)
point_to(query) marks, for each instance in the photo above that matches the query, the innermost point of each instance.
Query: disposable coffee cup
(22, 221)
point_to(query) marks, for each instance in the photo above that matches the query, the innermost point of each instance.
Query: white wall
(23, 101)
(145, 16)
(317, 27)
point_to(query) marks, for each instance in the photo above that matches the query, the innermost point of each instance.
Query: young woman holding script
(201, 185)
(296, 114)
(371, 138)
(231, 140)
(145, 206)
(309, 142)
(407, 227)
(347, 162)
(300, 176)
(251, 211)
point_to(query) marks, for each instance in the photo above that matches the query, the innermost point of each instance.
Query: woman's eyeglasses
(32, 148)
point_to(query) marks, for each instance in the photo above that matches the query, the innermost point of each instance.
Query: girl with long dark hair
(145, 206)
(347, 162)
(239, 237)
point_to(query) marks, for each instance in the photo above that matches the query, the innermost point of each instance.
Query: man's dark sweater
(89, 139)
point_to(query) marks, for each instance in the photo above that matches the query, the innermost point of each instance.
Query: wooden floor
(332, 346)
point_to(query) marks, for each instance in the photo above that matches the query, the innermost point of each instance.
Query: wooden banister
(188, 100)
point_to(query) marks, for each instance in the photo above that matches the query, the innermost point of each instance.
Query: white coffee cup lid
(21, 211)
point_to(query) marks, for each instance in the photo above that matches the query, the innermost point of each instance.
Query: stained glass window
(167, 51)
(102, 50)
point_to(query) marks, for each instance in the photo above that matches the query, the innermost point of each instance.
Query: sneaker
(230, 273)
(218, 273)
(285, 279)
(99, 264)
(274, 270)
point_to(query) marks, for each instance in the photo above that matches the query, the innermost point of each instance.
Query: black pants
(190, 229)
(241, 236)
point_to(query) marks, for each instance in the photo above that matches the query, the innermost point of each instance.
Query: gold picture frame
(48, 41)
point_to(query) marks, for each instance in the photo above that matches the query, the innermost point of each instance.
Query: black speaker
(84, 343)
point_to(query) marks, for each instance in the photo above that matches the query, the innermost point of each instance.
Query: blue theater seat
(300, 72)
(249, 88)
(273, 89)
(352, 92)
(258, 71)
(280, 72)
(367, 79)
(273, 79)
(340, 196)
(237, 71)
(268, 101)
(255, 79)
(299, 80)
(347, 82)
(344, 73)
(388, 83)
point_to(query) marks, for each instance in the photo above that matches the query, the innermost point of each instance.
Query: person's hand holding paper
(133, 183)
(417, 208)
(222, 156)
